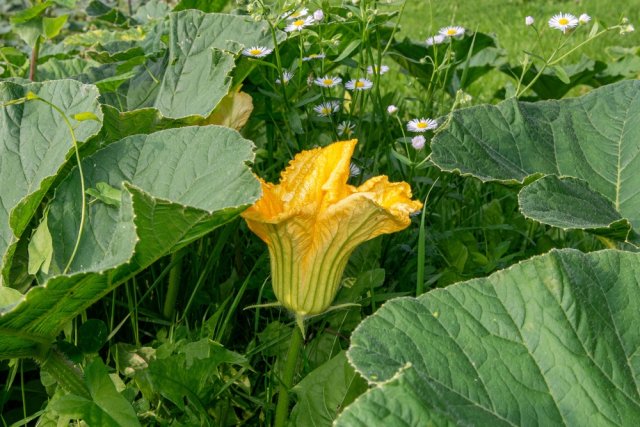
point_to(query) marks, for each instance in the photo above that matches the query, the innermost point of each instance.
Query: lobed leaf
(176, 186)
(595, 138)
(549, 341)
(36, 144)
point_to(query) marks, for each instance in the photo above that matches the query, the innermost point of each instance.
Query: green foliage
(589, 144)
(23, 131)
(507, 349)
(327, 390)
(132, 294)
(105, 407)
(163, 208)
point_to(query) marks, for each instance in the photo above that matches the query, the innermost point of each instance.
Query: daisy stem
(276, 50)
(580, 45)
(83, 202)
(551, 62)
(282, 407)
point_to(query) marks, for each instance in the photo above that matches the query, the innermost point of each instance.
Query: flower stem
(33, 64)
(282, 408)
(173, 288)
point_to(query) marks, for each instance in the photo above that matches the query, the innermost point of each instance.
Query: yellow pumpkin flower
(313, 220)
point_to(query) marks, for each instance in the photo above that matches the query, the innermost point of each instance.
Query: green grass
(505, 19)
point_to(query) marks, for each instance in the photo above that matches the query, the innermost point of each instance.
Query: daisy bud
(584, 19)
(418, 142)
(392, 109)
(529, 21)
(318, 15)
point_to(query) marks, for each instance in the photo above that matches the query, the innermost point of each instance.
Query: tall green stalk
(173, 288)
(282, 408)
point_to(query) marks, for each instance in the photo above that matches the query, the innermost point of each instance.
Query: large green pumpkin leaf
(550, 341)
(195, 74)
(595, 138)
(176, 185)
(35, 146)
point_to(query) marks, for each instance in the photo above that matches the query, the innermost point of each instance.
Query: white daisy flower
(584, 19)
(437, 39)
(418, 142)
(563, 22)
(327, 108)
(453, 31)
(286, 75)
(257, 51)
(375, 69)
(299, 24)
(297, 14)
(313, 56)
(346, 128)
(529, 21)
(392, 109)
(354, 170)
(421, 125)
(359, 84)
(328, 81)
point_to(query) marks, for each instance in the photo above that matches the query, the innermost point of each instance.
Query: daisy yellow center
(563, 21)
(255, 51)
(326, 110)
(421, 125)
(298, 23)
(328, 82)
(451, 32)
(359, 84)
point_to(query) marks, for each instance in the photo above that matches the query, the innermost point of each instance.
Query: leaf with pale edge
(36, 144)
(177, 185)
(550, 341)
(196, 73)
(594, 138)
(323, 393)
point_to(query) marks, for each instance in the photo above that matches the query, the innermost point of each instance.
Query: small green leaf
(106, 194)
(86, 115)
(51, 26)
(9, 297)
(30, 13)
(561, 74)
(347, 51)
(401, 158)
(323, 393)
(207, 6)
(40, 248)
(594, 30)
(112, 405)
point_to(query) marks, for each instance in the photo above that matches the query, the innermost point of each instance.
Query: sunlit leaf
(177, 184)
(36, 145)
(549, 341)
(594, 138)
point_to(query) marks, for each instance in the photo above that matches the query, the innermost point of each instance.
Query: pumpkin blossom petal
(313, 220)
